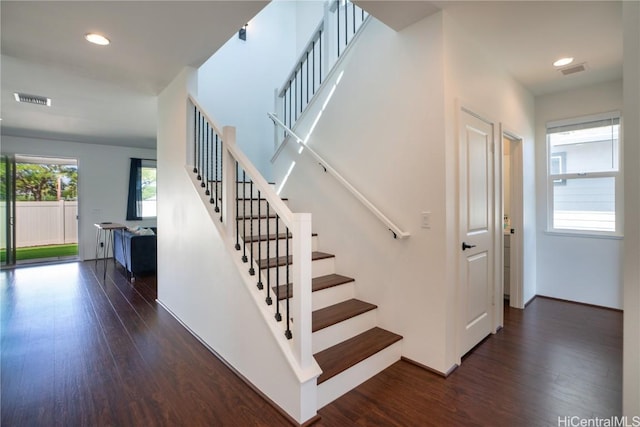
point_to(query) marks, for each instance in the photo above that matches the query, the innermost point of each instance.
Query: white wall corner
(631, 128)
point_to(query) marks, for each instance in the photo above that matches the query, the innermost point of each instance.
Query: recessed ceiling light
(562, 62)
(97, 39)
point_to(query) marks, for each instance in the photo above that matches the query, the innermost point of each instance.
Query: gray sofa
(140, 251)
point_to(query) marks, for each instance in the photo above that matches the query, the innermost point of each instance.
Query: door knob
(466, 246)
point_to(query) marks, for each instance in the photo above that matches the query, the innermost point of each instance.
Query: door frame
(20, 158)
(9, 215)
(516, 209)
(497, 301)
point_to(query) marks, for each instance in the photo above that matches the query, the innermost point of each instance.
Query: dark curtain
(134, 201)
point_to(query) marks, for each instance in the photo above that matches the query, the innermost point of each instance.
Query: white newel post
(229, 186)
(301, 310)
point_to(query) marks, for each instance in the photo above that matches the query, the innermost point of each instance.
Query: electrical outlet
(426, 220)
(102, 244)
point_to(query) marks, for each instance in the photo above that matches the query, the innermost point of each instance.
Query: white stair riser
(323, 267)
(282, 247)
(342, 331)
(335, 387)
(319, 267)
(333, 295)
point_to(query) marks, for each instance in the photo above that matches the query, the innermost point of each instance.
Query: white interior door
(477, 229)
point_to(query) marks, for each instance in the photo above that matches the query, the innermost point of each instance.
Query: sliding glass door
(7, 211)
(38, 209)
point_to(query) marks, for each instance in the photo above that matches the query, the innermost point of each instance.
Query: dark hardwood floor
(77, 351)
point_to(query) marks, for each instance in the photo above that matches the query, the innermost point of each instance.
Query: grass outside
(37, 252)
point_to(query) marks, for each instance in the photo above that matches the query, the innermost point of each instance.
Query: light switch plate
(426, 219)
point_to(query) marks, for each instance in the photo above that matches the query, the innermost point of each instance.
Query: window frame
(134, 196)
(150, 164)
(554, 180)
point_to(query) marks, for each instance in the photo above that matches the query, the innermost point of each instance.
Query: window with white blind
(584, 178)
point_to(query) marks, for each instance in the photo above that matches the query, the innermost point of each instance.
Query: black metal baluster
(260, 285)
(307, 77)
(202, 148)
(289, 124)
(197, 163)
(320, 51)
(214, 197)
(251, 269)
(195, 137)
(244, 217)
(284, 117)
(268, 299)
(313, 69)
(278, 315)
(301, 88)
(205, 157)
(295, 98)
(287, 333)
(219, 197)
(237, 208)
(353, 11)
(346, 23)
(338, 24)
(208, 168)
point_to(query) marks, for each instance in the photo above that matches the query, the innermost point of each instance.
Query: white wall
(199, 280)
(631, 129)
(236, 85)
(103, 181)
(582, 269)
(384, 130)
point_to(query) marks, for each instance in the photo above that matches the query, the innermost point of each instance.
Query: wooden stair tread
(344, 355)
(283, 260)
(336, 313)
(317, 284)
(264, 237)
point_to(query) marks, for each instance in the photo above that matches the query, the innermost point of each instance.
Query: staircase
(347, 343)
(322, 324)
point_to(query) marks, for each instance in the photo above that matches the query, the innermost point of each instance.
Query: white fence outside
(45, 223)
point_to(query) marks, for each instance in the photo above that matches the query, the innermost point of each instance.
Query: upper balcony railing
(341, 22)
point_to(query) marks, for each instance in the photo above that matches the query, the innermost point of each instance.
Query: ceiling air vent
(33, 99)
(574, 69)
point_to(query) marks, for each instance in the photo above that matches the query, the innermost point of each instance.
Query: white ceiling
(108, 94)
(104, 94)
(526, 37)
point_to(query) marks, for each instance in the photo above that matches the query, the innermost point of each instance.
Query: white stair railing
(225, 174)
